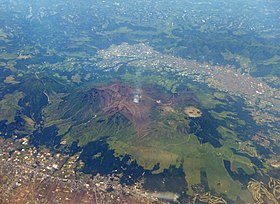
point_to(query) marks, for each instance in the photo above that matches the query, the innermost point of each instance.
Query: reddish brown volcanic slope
(118, 98)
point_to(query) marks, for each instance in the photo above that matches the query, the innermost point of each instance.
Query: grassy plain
(9, 106)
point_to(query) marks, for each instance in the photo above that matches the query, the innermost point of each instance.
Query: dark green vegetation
(53, 92)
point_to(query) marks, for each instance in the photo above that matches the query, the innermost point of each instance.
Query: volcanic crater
(132, 103)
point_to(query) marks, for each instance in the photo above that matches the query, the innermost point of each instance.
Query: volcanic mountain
(105, 106)
(117, 110)
(134, 104)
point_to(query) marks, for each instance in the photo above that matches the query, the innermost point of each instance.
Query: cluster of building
(36, 175)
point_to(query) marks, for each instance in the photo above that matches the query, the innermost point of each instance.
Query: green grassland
(9, 106)
(208, 99)
(160, 79)
(161, 146)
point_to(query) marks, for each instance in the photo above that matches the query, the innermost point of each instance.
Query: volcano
(118, 98)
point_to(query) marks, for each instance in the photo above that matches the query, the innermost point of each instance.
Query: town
(28, 173)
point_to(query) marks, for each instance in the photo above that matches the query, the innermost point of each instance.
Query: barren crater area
(134, 104)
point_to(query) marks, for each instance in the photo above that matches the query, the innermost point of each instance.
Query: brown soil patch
(76, 78)
(10, 80)
(193, 112)
(168, 109)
